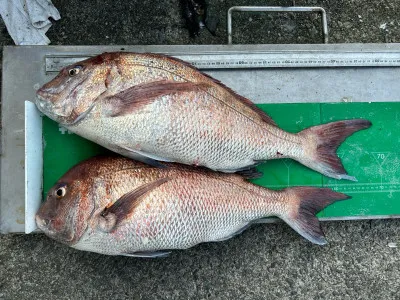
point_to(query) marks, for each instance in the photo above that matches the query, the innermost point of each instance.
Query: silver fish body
(207, 134)
(117, 206)
(162, 109)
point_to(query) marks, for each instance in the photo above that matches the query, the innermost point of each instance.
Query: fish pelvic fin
(305, 203)
(321, 143)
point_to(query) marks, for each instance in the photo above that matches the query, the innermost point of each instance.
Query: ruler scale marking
(265, 60)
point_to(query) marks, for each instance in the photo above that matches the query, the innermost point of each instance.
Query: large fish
(117, 206)
(162, 109)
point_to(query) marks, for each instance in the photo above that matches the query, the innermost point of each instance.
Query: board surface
(288, 73)
(371, 155)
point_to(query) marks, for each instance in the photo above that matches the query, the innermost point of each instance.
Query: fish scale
(196, 208)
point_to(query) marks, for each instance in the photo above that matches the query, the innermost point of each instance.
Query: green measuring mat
(371, 155)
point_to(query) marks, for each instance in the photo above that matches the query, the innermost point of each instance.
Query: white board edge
(33, 164)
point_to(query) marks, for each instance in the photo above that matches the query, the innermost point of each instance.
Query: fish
(195, 13)
(156, 108)
(117, 206)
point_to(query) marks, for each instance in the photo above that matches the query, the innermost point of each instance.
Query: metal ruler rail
(268, 59)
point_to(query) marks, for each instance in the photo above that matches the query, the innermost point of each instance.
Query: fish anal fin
(148, 254)
(237, 232)
(250, 173)
(113, 214)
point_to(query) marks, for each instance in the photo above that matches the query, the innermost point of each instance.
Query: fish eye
(74, 71)
(61, 191)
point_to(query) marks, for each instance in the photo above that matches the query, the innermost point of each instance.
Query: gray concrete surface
(265, 262)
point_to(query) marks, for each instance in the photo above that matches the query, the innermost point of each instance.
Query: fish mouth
(47, 95)
(42, 223)
(42, 102)
(45, 104)
(45, 225)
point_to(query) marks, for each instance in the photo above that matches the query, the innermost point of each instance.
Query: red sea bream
(157, 108)
(117, 206)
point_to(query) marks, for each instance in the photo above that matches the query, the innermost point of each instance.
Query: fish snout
(45, 94)
(43, 97)
(42, 104)
(54, 229)
(41, 91)
(46, 102)
(42, 222)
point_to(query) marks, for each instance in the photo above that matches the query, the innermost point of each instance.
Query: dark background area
(266, 261)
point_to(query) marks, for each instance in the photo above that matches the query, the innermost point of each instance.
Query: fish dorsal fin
(196, 79)
(264, 117)
(140, 95)
(113, 214)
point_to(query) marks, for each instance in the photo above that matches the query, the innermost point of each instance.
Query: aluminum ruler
(272, 59)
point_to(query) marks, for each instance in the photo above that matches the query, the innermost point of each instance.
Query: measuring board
(375, 164)
(322, 82)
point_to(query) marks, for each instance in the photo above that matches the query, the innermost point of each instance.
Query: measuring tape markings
(260, 60)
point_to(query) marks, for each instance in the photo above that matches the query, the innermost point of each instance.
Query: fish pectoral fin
(113, 214)
(150, 159)
(149, 254)
(140, 95)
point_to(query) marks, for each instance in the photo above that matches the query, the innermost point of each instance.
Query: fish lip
(42, 103)
(44, 95)
(42, 92)
(59, 236)
(40, 223)
(46, 107)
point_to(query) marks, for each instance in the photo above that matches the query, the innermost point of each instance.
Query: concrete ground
(266, 261)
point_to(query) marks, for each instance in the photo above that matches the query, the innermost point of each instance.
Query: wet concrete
(265, 262)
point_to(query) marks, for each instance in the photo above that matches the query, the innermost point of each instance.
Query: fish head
(66, 213)
(73, 92)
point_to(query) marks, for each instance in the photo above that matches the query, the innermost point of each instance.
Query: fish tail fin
(305, 203)
(321, 143)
